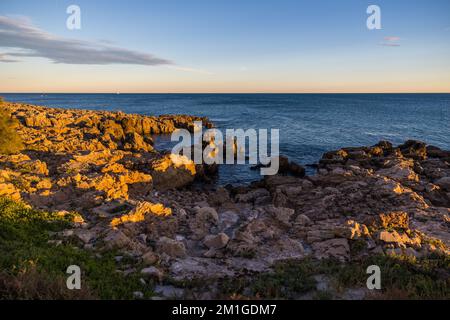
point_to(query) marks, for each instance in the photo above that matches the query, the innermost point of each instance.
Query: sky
(223, 46)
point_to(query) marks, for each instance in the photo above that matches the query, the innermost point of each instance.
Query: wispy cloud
(4, 58)
(20, 33)
(391, 41)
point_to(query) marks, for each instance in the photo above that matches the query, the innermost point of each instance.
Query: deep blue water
(309, 124)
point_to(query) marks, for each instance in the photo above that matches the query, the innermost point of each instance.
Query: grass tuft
(30, 263)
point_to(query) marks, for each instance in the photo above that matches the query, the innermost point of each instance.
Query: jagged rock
(444, 183)
(296, 169)
(393, 237)
(173, 171)
(153, 272)
(207, 214)
(286, 166)
(334, 248)
(204, 219)
(170, 292)
(159, 226)
(216, 241)
(140, 211)
(395, 219)
(272, 182)
(303, 220)
(414, 149)
(113, 129)
(10, 191)
(280, 199)
(227, 219)
(352, 230)
(198, 268)
(281, 214)
(150, 258)
(252, 195)
(358, 154)
(37, 120)
(400, 170)
(220, 197)
(435, 152)
(319, 235)
(85, 235)
(135, 142)
(378, 198)
(171, 247)
(334, 157)
(44, 184)
(116, 239)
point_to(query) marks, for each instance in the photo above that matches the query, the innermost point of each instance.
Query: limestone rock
(303, 220)
(138, 213)
(153, 272)
(444, 183)
(116, 239)
(252, 195)
(334, 248)
(171, 247)
(204, 219)
(149, 258)
(216, 241)
(173, 172)
(394, 219)
(281, 214)
(393, 237)
(135, 142)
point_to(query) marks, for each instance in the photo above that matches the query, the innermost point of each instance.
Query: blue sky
(238, 46)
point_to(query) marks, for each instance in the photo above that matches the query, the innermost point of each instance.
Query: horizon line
(124, 93)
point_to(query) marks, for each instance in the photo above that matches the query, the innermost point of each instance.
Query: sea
(309, 124)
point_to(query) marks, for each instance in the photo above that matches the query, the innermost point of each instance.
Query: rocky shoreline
(365, 201)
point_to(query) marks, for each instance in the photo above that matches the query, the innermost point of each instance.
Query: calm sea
(309, 124)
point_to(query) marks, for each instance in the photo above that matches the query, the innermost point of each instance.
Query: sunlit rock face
(138, 214)
(173, 171)
(78, 159)
(57, 130)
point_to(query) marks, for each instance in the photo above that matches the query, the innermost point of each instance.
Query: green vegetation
(289, 279)
(10, 141)
(401, 278)
(34, 268)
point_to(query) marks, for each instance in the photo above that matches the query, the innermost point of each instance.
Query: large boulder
(171, 247)
(444, 183)
(135, 142)
(200, 224)
(333, 248)
(414, 149)
(113, 129)
(216, 241)
(173, 171)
